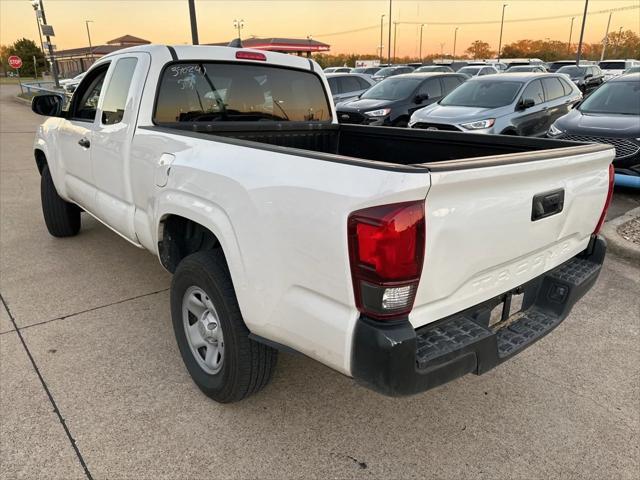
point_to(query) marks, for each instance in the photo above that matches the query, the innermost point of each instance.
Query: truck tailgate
(483, 234)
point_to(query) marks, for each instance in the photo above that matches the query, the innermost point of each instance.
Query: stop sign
(15, 61)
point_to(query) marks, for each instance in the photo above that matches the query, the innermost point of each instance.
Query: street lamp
(395, 36)
(605, 40)
(442, 52)
(504, 5)
(381, 28)
(87, 22)
(571, 33)
(238, 25)
(389, 43)
(455, 38)
(421, 27)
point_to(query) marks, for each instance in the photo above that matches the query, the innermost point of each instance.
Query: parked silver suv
(514, 104)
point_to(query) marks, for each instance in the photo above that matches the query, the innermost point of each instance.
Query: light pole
(619, 41)
(421, 27)
(584, 22)
(194, 22)
(238, 25)
(455, 39)
(54, 67)
(504, 5)
(606, 38)
(389, 43)
(87, 22)
(35, 4)
(570, 35)
(395, 36)
(442, 52)
(381, 29)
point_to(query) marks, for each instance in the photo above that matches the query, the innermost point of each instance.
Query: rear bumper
(394, 359)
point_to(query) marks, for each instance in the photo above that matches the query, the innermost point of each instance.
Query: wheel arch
(41, 159)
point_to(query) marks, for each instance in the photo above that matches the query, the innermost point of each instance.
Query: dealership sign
(15, 61)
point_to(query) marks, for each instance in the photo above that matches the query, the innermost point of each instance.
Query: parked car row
(526, 101)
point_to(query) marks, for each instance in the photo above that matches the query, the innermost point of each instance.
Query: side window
(115, 98)
(552, 88)
(534, 92)
(450, 83)
(568, 90)
(363, 83)
(334, 86)
(85, 99)
(350, 84)
(432, 88)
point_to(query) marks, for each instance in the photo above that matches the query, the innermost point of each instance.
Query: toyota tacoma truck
(401, 258)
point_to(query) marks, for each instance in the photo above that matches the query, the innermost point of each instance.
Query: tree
(27, 49)
(479, 49)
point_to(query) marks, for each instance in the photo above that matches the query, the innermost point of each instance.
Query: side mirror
(49, 105)
(526, 103)
(421, 97)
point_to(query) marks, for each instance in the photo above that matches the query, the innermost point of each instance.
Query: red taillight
(243, 55)
(612, 175)
(386, 251)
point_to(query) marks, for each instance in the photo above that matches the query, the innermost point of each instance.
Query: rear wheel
(61, 217)
(211, 334)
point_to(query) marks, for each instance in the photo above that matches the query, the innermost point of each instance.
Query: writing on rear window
(231, 92)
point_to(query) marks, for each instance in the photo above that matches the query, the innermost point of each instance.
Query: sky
(167, 21)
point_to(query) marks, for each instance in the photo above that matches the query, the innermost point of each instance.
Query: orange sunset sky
(167, 21)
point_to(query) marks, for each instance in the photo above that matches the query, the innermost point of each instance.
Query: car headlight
(378, 113)
(487, 123)
(554, 131)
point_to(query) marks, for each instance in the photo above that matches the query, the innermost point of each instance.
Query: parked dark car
(610, 115)
(586, 78)
(366, 70)
(392, 101)
(515, 104)
(434, 68)
(557, 65)
(391, 72)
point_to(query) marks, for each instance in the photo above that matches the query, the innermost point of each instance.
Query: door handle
(84, 143)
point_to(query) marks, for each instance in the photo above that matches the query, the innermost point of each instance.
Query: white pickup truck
(402, 258)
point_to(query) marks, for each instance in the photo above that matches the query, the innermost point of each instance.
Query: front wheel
(211, 334)
(61, 217)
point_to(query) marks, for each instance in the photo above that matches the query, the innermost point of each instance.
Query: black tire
(509, 131)
(401, 123)
(247, 365)
(61, 217)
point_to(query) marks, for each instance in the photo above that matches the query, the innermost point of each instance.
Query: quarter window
(115, 98)
(450, 83)
(432, 88)
(553, 88)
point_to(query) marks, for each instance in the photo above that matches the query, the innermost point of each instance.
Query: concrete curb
(615, 242)
(22, 100)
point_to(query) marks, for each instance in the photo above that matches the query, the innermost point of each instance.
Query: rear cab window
(229, 92)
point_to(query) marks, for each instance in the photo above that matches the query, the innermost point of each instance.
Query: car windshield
(612, 65)
(622, 98)
(572, 70)
(359, 70)
(484, 94)
(557, 65)
(470, 70)
(521, 69)
(632, 70)
(430, 68)
(395, 88)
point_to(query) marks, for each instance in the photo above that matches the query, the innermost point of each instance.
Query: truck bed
(437, 150)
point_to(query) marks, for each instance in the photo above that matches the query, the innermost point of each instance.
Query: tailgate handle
(547, 204)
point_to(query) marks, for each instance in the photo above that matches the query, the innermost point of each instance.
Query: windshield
(612, 65)
(385, 72)
(521, 69)
(572, 71)
(557, 65)
(392, 89)
(429, 69)
(484, 94)
(470, 70)
(632, 70)
(359, 70)
(622, 98)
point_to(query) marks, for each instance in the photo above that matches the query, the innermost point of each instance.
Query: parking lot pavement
(93, 314)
